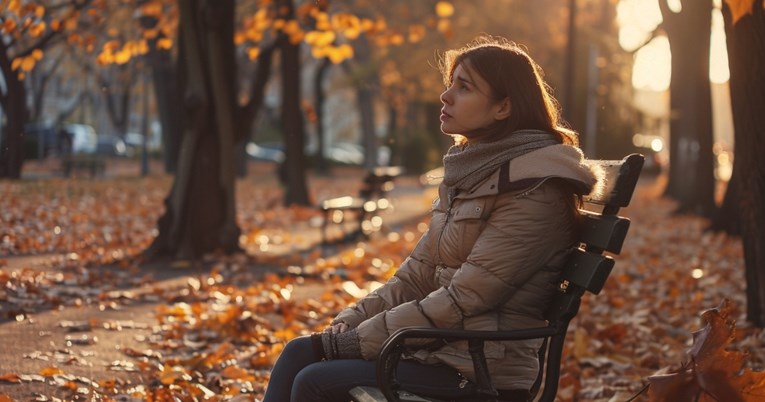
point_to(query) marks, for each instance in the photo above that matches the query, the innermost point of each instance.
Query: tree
(691, 174)
(26, 31)
(745, 31)
(200, 214)
(292, 115)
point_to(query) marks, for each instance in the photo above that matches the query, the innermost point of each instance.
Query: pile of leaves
(218, 331)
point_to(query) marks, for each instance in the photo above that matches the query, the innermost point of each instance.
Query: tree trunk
(200, 214)
(165, 92)
(568, 92)
(727, 218)
(38, 85)
(691, 177)
(118, 101)
(292, 116)
(319, 96)
(13, 102)
(746, 58)
(365, 95)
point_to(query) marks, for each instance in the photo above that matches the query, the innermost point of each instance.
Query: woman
(499, 234)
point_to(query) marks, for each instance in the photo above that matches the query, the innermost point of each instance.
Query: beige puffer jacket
(489, 261)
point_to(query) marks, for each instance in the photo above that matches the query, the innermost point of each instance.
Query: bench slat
(621, 178)
(588, 270)
(605, 232)
(372, 394)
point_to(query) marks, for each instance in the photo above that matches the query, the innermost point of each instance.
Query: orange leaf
(10, 377)
(51, 371)
(237, 373)
(714, 371)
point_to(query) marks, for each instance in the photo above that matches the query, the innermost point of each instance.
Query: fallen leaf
(10, 377)
(713, 372)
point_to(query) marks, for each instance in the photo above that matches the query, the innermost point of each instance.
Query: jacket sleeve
(412, 281)
(516, 242)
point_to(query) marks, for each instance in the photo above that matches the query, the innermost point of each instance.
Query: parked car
(84, 138)
(272, 151)
(342, 152)
(42, 140)
(110, 145)
(134, 143)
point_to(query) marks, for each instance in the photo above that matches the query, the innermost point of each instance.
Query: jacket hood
(559, 161)
(556, 161)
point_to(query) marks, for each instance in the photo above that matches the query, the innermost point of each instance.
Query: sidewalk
(57, 353)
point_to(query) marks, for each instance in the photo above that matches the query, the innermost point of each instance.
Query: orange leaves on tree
(740, 8)
(26, 64)
(713, 373)
(151, 9)
(347, 24)
(320, 38)
(113, 53)
(9, 25)
(416, 33)
(14, 5)
(444, 9)
(165, 43)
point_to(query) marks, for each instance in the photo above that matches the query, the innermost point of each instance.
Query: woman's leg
(297, 354)
(331, 381)
(297, 376)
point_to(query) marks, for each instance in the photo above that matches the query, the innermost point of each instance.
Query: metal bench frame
(601, 230)
(370, 200)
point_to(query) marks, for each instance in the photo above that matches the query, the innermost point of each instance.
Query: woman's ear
(503, 112)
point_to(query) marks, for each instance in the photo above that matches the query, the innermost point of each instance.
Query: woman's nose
(444, 96)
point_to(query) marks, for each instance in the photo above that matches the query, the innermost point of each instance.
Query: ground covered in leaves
(92, 321)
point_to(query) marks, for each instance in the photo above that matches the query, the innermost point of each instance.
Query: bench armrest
(395, 346)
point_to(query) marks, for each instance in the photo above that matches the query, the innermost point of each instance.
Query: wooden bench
(372, 198)
(601, 230)
(91, 164)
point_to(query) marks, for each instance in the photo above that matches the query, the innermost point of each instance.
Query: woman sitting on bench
(499, 235)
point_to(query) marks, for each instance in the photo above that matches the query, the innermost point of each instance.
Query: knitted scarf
(468, 164)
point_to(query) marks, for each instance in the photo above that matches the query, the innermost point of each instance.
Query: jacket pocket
(467, 221)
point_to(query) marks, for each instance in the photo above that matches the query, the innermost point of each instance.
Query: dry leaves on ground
(218, 333)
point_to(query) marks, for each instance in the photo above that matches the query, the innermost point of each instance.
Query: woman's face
(467, 104)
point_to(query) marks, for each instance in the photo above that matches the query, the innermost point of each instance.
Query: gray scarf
(468, 164)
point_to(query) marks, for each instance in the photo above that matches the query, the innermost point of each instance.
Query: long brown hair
(513, 74)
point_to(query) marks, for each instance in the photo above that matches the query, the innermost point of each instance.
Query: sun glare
(652, 69)
(637, 19)
(718, 54)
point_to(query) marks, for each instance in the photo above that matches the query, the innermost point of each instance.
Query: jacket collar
(530, 170)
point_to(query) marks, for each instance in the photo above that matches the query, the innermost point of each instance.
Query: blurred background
(97, 77)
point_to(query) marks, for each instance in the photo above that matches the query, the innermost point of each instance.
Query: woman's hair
(511, 74)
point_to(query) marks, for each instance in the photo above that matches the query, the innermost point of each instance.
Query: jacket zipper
(532, 188)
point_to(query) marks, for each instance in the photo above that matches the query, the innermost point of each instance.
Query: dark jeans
(298, 377)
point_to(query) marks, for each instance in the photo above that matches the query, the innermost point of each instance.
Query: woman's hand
(338, 328)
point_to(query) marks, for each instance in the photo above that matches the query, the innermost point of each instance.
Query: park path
(74, 346)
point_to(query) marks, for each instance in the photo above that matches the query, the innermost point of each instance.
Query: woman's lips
(445, 115)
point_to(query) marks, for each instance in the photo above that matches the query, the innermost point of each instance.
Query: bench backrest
(600, 230)
(379, 181)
